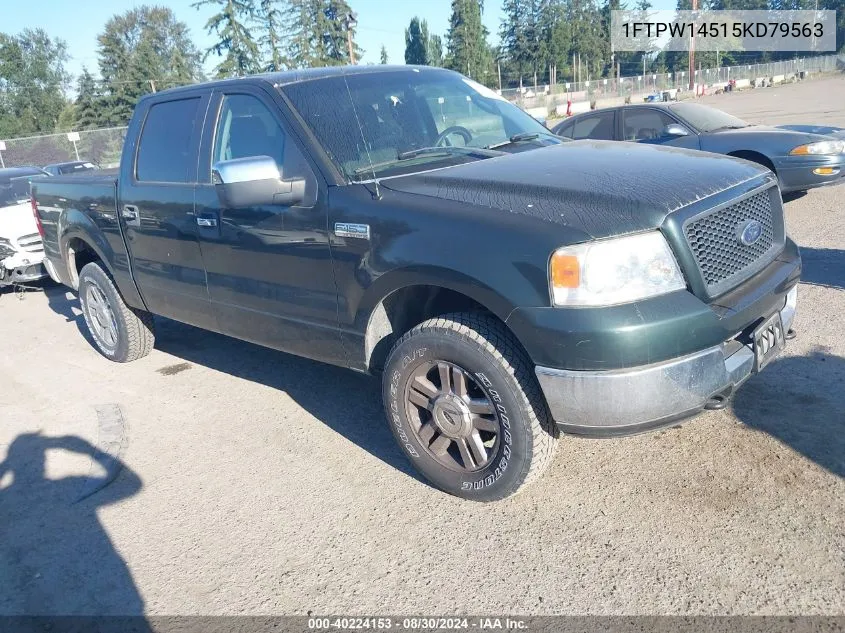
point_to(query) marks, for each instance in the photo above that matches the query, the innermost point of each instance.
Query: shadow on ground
(800, 400)
(345, 401)
(823, 267)
(55, 556)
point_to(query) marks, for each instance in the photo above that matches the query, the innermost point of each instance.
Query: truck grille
(31, 243)
(722, 258)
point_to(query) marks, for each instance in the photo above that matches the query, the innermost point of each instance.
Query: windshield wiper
(520, 138)
(432, 151)
(729, 127)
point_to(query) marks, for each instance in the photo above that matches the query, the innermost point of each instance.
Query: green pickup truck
(506, 285)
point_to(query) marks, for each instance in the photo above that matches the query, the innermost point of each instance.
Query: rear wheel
(464, 404)
(120, 333)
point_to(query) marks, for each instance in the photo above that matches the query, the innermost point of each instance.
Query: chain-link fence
(637, 86)
(102, 147)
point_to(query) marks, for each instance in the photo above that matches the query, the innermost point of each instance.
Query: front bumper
(641, 398)
(22, 268)
(796, 173)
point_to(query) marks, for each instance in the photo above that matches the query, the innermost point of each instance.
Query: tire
(488, 434)
(120, 333)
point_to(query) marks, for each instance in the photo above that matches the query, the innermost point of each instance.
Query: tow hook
(718, 401)
(791, 334)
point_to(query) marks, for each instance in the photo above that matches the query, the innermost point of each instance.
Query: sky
(78, 22)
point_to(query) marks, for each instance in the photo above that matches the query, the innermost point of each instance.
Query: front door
(647, 125)
(157, 211)
(269, 267)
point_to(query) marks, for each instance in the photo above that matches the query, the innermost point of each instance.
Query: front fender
(439, 277)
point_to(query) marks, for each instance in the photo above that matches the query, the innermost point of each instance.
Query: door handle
(130, 213)
(207, 223)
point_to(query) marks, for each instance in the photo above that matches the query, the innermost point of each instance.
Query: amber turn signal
(566, 271)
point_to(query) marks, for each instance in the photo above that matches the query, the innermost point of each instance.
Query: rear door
(269, 267)
(157, 209)
(598, 126)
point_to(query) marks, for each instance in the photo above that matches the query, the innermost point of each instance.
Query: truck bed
(86, 200)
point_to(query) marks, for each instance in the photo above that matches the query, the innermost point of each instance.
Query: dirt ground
(254, 482)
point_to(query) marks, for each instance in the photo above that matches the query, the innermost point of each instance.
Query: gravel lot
(256, 482)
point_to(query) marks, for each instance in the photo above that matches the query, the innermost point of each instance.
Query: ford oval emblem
(749, 232)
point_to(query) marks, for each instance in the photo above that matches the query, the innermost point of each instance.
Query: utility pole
(349, 21)
(499, 70)
(153, 85)
(692, 52)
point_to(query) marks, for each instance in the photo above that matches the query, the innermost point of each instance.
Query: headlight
(614, 271)
(822, 148)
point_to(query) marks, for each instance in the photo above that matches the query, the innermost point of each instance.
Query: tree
(32, 82)
(87, 114)
(270, 24)
(139, 51)
(383, 55)
(466, 41)
(236, 44)
(416, 42)
(513, 38)
(318, 33)
(435, 51)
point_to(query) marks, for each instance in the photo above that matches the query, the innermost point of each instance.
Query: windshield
(377, 125)
(706, 119)
(14, 191)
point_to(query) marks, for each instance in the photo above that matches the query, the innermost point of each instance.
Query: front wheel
(464, 404)
(120, 333)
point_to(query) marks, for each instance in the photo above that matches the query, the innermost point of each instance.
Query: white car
(21, 251)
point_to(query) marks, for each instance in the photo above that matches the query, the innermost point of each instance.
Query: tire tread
(140, 326)
(488, 333)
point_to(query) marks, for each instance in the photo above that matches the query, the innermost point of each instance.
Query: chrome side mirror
(254, 181)
(675, 129)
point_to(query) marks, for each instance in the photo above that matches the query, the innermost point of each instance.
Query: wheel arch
(413, 297)
(754, 157)
(78, 249)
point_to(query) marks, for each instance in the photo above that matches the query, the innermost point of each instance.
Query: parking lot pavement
(256, 482)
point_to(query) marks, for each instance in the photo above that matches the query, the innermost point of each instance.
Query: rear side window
(164, 149)
(598, 127)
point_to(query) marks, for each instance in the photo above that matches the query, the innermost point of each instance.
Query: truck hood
(16, 221)
(602, 188)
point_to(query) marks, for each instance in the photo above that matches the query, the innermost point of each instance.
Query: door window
(247, 128)
(598, 127)
(644, 125)
(164, 151)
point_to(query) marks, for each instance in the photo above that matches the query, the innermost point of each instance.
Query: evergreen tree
(513, 40)
(236, 44)
(383, 55)
(466, 42)
(87, 114)
(67, 118)
(318, 33)
(270, 26)
(435, 51)
(416, 42)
